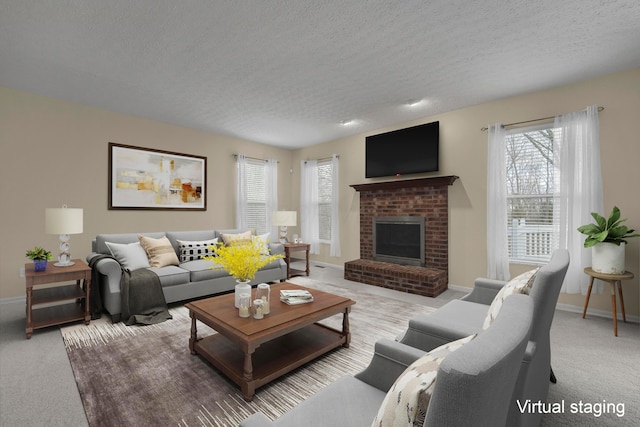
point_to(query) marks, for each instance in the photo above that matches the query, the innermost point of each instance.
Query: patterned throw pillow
(408, 398)
(519, 285)
(159, 251)
(264, 241)
(193, 250)
(130, 256)
(237, 239)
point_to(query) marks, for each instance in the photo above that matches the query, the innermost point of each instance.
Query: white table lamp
(63, 221)
(284, 219)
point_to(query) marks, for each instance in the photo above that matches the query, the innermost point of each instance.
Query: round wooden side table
(611, 279)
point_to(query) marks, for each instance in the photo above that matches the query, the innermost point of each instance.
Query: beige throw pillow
(159, 251)
(407, 401)
(237, 239)
(519, 285)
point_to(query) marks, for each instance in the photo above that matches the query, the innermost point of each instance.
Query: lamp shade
(285, 218)
(63, 220)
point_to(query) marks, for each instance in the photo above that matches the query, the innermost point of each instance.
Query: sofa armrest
(427, 332)
(257, 419)
(484, 291)
(110, 268)
(390, 359)
(276, 248)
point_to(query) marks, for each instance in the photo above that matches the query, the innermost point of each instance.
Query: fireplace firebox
(399, 239)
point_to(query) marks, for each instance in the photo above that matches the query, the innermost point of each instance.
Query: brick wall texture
(431, 202)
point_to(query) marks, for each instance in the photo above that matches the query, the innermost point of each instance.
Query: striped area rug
(145, 375)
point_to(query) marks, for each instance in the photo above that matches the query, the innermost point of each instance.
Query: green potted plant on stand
(607, 240)
(39, 256)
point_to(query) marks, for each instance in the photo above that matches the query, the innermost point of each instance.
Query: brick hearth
(427, 197)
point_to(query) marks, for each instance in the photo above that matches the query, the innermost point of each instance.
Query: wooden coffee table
(254, 352)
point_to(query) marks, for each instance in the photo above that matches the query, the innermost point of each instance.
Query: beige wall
(463, 149)
(54, 152)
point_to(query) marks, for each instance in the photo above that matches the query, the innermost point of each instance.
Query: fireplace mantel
(406, 183)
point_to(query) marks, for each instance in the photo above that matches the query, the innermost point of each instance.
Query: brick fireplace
(426, 197)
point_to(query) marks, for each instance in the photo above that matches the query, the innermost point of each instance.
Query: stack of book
(297, 296)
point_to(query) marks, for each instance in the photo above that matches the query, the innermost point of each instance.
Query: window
(256, 196)
(324, 199)
(531, 185)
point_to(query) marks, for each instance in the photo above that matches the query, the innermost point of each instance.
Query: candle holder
(263, 293)
(244, 305)
(258, 309)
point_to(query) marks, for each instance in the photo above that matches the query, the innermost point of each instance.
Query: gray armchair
(463, 317)
(473, 388)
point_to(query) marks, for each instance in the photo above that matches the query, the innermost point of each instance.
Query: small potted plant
(607, 240)
(39, 256)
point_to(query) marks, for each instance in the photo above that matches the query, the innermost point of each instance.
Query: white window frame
(256, 177)
(533, 176)
(325, 204)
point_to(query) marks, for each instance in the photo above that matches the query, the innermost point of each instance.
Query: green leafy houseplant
(39, 254)
(607, 230)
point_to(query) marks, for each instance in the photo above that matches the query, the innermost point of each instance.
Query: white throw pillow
(520, 285)
(407, 400)
(191, 250)
(264, 241)
(131, 256)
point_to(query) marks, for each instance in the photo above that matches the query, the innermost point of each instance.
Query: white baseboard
(595, 312)
(12, 300)
(569, 308)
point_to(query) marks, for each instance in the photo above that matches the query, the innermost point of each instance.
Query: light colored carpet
(145, 375)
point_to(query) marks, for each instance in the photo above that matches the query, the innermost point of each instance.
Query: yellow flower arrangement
(241, 260)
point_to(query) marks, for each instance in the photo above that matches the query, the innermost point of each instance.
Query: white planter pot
(608, 258)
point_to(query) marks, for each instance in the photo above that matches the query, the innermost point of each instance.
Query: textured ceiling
(288, 72)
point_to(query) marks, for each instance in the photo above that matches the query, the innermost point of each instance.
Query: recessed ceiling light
(414, 102)
(347, 122)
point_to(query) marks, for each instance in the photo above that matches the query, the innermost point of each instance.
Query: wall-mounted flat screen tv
(403, 151)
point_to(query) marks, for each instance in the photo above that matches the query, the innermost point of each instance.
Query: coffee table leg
(345, 327)
(194, 333)
(248, 388)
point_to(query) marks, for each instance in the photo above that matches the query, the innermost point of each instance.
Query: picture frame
(146, 178)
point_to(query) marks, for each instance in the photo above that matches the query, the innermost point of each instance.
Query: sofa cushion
(408, 398)
(237, 239)
(191, 250)
(519, 285)
(202, 269)
(171, 275)
(160, 251)
(345, 402)
(131, 256)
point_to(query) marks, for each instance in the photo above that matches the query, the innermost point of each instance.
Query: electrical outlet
(21, 271)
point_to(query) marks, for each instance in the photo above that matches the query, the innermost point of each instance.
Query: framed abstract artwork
(145, 178)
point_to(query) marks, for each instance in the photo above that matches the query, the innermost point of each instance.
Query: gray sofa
(188, 280)
(460, 318)
(473, 387)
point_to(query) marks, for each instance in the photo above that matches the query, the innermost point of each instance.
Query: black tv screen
(403, 151)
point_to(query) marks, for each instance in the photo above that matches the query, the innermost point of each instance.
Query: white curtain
(271, 180)
(241, 194)
(335, 208)
(580, 189)
(497, 250)
(309, 213)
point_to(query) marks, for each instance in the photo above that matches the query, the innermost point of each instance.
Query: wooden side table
(611, 279)
(294, 247)
(77, 309)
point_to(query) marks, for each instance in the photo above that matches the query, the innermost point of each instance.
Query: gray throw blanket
(142, 298)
